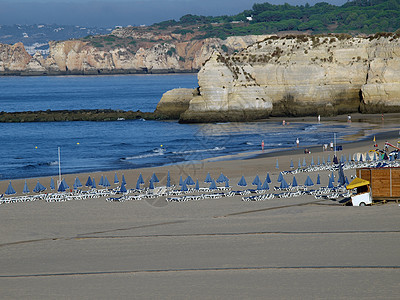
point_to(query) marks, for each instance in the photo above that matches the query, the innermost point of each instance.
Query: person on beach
(319, 119)
(349, 119)
(331, 145)
(262, 145)
(297, 142)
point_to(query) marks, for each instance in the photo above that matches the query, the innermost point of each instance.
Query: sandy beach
(214, 248)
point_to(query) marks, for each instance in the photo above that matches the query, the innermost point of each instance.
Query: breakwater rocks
(76, 115)
(299, 76)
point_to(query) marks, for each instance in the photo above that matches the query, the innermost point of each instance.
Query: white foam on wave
(144, 156)
(199, 150)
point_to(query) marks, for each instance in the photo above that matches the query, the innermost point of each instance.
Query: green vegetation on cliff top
(357, 16)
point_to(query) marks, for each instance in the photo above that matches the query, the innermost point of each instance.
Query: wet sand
(208, 249)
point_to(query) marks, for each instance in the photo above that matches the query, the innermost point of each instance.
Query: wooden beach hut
(385, 182)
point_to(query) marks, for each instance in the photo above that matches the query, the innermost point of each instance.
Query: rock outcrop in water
(172, 53)
(299, 76)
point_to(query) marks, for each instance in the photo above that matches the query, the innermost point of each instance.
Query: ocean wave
(199, 150)
(143, 156)
(40, 164)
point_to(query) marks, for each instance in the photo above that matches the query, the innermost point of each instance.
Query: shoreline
(235, 164)
(350, 143)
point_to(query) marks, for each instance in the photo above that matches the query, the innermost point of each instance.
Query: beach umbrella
(227, 183)
(154, 177)
(304, 162)
(137, 184)
(189, 180)
(89, 182)
(318, 179)
(323, 160)
(342, 158)
(385, 157)
(122, 188)
(26, 189)
(208, 178)
(284, 184)
(151, 185)
(197, 187)
(61, 187)
(256, 180)
(330, 184)
(361, 158)
(280, 177)
(349, 160)
(140, 179)
(213, 185)
(124, 181)
(221, 178)
(374, 156)
(341, 179)
(268, 179)
(265, 185)
(259, 185)
(65, 183)
(52, 186)
(329, 159)
(180, 180)
(318, 162)
(78, 182)
(277, 164)
(39, 187)
(10, 190)
(294, 182)
(93, 183)
(106, 183)
(184, 187)
(312, 160)
(242, 182)
(299, 163)
(168, 180)
(101, 182)
(291, 164)
(116, 178)
(308, 182)
(335, 160)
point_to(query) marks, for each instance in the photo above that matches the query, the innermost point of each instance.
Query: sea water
(30, 149)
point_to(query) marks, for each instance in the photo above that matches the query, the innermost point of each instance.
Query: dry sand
(222, 248)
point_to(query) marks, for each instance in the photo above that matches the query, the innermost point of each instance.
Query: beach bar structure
(385, 182)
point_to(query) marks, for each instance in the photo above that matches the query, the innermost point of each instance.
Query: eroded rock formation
(298, 76)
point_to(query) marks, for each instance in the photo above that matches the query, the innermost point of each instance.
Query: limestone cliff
(298, 76)
(13, 58)
(82, 57)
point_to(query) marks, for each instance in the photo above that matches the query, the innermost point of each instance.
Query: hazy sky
(107, 13)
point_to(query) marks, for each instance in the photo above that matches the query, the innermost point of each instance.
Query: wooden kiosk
(384, 182)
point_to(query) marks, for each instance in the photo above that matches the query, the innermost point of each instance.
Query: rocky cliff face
(80, 57)
(13, 58)
(298, 76)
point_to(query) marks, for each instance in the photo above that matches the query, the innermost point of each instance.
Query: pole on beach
(334, 139)
(59, 167)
